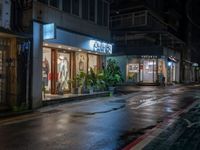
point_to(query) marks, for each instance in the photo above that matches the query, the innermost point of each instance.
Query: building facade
(13, 62)
(148, 38)
(69, 36)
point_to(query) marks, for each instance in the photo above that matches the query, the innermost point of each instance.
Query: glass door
(63, 72)
(149, 70)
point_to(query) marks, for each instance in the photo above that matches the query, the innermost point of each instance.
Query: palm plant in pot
(100, 83)
(72, 85)
(80, 80)
(91, 81)
(112, 74)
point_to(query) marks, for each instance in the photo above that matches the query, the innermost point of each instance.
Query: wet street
(108, 123)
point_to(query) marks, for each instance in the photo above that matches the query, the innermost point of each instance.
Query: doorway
(149, 70)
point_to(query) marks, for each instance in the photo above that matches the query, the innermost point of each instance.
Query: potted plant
(112, 74)
(72, 84)
(100, 82)
(91, 81)
(80, 80)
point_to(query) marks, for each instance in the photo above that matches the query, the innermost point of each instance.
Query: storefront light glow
(49, 31)
(169, 64)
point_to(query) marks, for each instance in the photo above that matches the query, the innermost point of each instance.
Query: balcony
(140, 20)
(145, 25)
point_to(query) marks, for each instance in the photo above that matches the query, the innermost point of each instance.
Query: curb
(74, 98)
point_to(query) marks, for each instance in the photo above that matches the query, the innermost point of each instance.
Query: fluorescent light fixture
(169, 64)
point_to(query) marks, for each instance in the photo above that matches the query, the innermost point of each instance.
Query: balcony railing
(137, 19)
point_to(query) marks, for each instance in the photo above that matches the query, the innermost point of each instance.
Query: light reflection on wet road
(104, 123)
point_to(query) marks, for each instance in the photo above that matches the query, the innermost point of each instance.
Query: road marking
(151, 101)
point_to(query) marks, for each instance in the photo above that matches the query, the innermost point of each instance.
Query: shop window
(133, 72)
(63, 72)
(81, 62)
(46, 69)
(75, 7)
(66, 5)
(92, 10)
(93, 62)
(85, 9)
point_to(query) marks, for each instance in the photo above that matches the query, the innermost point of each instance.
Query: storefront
(59, 65)
(66, 54)
(147, 69)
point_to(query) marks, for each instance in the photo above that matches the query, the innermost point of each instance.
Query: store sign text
(49, 31)
(100, 47)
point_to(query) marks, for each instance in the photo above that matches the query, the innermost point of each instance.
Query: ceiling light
(59, 46)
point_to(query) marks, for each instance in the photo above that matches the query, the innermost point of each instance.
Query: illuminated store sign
(49, 31)
(100, 47)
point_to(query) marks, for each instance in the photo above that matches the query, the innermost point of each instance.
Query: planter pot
(80, 90)
(91, 91)
(111, 90)
(74, 90)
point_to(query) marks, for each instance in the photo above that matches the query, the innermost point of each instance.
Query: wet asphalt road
(101, 124)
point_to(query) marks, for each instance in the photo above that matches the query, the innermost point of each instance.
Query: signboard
(101, 47)
(133, 68)
(49, 31)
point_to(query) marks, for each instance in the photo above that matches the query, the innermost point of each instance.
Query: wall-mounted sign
(100, 47)
(133, 68)
(49, 31)
(149, 57)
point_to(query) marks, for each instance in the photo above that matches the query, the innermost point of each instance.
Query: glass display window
(46, 69)
(81, 62)
(93, 62)
(63, 71)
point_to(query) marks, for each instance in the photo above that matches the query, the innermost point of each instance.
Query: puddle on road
(80, 114)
